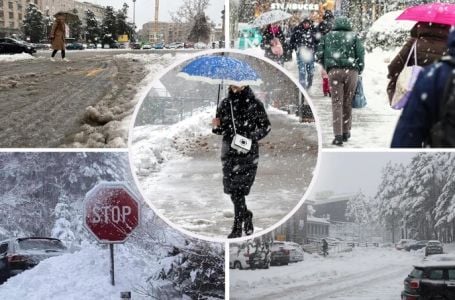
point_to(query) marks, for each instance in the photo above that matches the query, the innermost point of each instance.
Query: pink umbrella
(441, 13)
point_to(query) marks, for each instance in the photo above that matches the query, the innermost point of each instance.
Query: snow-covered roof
(317, 220)
(332, 199)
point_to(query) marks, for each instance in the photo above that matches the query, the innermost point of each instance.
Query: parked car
(403, 243)
(114, 45)
(415, 246)
(200, 45)
(147, 47)
(188, 45)
(433, 247)
(20, 254)
(430, 280)
(296, 253)
(91, 46)
(247, 256)
(14, 46)
(280, 254)
(75, 46)
(158, 46)
(136, 46)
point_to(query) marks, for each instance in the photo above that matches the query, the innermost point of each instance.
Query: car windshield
(40, 244)
(434, 244)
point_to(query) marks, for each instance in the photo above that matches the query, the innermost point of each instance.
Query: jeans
(305, 62)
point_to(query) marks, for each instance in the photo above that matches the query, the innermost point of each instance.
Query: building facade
(166, 32)
(12, 11)
(11, 14)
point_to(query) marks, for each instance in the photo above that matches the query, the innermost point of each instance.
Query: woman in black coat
(239, 169)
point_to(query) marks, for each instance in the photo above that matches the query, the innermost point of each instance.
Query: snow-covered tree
(33, 23)
(359, 209)
(92, 29)
(75, 26)
(200, 30)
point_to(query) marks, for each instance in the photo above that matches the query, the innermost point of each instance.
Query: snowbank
(84, 275)
(15, 57)
(154, 145)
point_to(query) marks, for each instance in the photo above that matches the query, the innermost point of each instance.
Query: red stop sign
(111, 212)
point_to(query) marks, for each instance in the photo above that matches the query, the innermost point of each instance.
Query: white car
(403, 243)
(240, 257)
(147, 47)
(296, 253)
(200, 45)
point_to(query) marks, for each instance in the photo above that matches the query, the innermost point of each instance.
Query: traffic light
(222, 15)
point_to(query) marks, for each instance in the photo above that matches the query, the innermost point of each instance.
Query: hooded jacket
(341, 48)
(304, 37)
(251, 121)
(431, 46)
(422, 110)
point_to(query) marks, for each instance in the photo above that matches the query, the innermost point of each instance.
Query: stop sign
(111, 212)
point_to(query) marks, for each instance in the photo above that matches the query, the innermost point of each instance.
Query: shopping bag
(359, 100)
(406, 81)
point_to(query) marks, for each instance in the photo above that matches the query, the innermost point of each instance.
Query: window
(11, 15)
(10, 5)
(451, 274)
(3, 249)
(20, 17)
(435, 274)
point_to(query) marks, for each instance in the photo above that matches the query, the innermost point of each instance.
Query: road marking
(94, 72)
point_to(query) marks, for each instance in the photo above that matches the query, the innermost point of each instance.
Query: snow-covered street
(179, 172)
(364, 273)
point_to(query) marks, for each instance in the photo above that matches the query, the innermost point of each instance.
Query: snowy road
(86, 102)
(367, 274)
(188, 190)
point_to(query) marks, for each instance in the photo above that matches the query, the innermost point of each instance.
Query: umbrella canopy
(441, 13)
(69, 17)
(220, 69)
(271, 17)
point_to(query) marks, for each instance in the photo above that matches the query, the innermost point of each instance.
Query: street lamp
(134, 13)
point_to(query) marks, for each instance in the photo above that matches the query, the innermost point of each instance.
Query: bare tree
(188, 11)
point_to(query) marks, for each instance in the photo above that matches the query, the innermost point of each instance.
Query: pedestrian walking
(241, 113)
(341, 53)
(58, 33)
(273, 41)
(303, 42)
(431, 45)
(427, 118)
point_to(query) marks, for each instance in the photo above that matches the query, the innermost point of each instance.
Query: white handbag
(239, 142)
(406, 81)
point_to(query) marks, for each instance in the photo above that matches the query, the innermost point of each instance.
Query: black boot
(346, 136)
(338, 140)
(248, 225)
(236, 229)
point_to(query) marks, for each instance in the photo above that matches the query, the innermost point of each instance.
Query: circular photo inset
(224, 145)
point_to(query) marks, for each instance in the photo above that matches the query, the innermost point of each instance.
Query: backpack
(442, 134)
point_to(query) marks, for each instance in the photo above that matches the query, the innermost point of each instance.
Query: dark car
(74, 46)
(280, 254)
(433, 247)
(430, 281)
(14, 46)
(114, 45)
(20, 254)
(136, 46)
(188, 45)
(416, 246)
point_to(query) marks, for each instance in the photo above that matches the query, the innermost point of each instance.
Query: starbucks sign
(295, 6)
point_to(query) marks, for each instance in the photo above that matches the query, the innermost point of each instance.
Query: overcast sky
(344, 172)
(145, 9)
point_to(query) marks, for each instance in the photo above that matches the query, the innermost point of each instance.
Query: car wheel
(237, 265)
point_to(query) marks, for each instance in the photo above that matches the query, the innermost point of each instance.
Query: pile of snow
(387, 32)
(154, 145)
(84, 275)
(15, 57)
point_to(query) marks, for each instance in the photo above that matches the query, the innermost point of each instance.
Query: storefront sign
(295, 6)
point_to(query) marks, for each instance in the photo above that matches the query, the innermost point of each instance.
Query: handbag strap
(233, 119)
(413, 50)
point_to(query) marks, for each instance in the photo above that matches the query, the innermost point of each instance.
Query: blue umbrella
(220, 69)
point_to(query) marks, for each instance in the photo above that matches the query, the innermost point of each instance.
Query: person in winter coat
(341, 53)
(58, 32)
(431, 42)
(303, 41)
(326, 24)
(422, 110)
(239, 169)
(273, 38)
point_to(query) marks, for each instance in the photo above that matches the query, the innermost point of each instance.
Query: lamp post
(134, 13)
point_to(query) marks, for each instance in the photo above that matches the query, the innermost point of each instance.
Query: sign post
(111, 213)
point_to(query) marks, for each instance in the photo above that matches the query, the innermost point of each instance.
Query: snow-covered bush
(386, 32)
